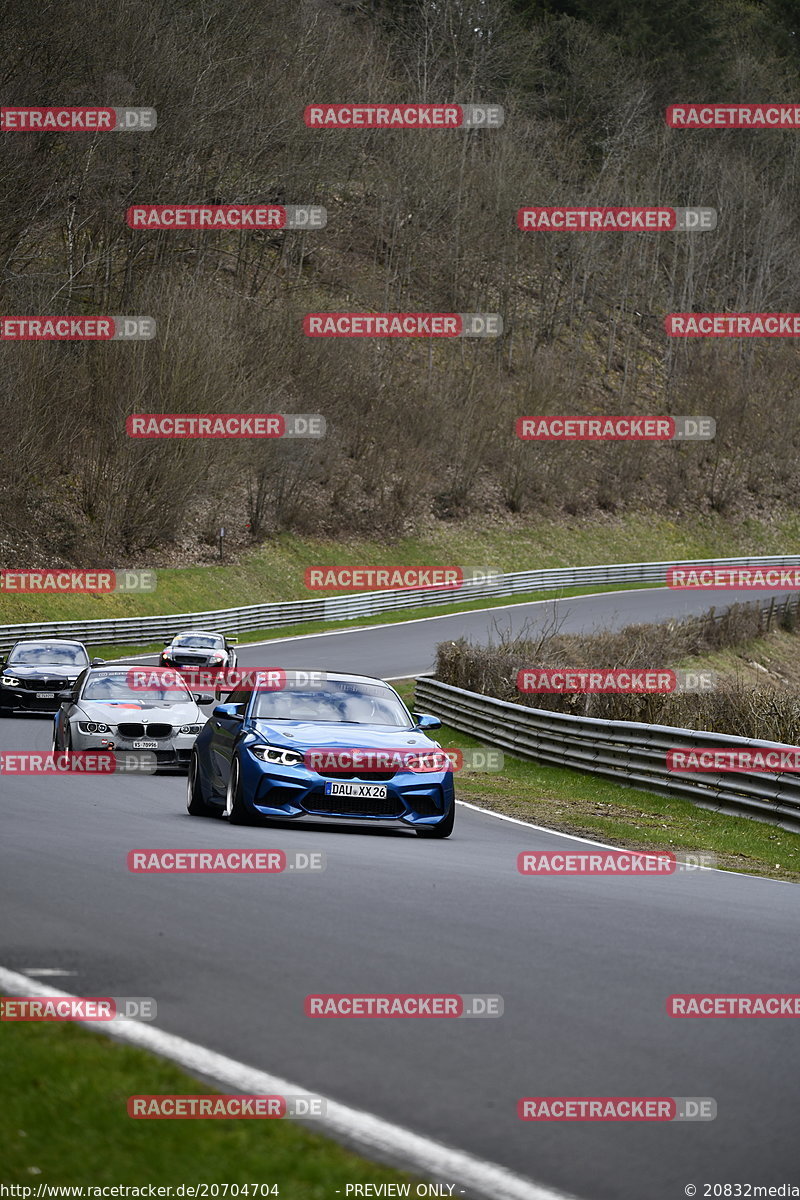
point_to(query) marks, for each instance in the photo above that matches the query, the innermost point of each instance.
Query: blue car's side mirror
(232, 712)
(426, 721)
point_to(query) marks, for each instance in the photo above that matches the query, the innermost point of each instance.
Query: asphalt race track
(585, 965)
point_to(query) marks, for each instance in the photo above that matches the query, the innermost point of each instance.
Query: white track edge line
(362, 1130)
(573, 837)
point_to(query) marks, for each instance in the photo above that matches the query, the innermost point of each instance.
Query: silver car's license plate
(45, 695)
(365, 791)
(145, 745)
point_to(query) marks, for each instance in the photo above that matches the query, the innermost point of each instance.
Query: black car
(199, 650)
(36, 672)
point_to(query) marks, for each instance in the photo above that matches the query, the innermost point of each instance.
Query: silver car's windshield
(196, 642)
(48, 654)
(334, 702)
(117, 687)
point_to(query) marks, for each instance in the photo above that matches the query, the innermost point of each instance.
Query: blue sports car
(341, 746)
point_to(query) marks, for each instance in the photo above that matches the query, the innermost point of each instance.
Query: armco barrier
(140, 631)
(626, 751)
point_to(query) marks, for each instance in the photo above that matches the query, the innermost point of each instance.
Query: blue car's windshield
(334, 702)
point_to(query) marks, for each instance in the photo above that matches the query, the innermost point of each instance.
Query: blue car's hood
(303, 735)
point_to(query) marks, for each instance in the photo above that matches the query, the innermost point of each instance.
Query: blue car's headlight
(276, 754)
(9, 681)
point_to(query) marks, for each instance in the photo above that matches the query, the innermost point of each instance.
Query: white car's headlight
(93, 727)
(276, 754)
(9, 681)
(190, 728)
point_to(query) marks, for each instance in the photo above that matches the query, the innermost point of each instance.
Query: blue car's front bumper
(296, 793)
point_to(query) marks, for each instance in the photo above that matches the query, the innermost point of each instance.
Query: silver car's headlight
(9, 681)
(190, 728)
(276, 754)
(93, 727)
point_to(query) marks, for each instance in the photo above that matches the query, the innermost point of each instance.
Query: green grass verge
(63, 1095)
(574, 802)
(274, 571)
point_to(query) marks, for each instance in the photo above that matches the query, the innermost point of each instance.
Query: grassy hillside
(275, 570)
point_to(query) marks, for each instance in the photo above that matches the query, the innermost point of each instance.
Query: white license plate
(145, 745)
(45, 695)
(366, 791)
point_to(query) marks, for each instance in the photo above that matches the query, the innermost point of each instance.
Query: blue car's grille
(360, 777)
(359, 806)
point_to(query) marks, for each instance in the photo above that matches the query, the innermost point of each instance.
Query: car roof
(204, 632)
(112, 668)
(335, 675)
(47, 641)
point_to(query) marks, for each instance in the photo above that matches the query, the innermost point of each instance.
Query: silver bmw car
(129, 709)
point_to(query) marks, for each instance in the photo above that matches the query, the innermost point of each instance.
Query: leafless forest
(416, 222)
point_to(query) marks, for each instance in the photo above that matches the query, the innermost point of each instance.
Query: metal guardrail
(626, 751)
(140, 631)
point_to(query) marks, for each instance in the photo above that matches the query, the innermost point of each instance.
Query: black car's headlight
(276, 754)
(9, 681)
(190, 728)
(93, 727)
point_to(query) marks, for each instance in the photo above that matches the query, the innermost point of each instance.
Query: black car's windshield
(117, 686)
(334, 702)
(48, 654)
(195, 641)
